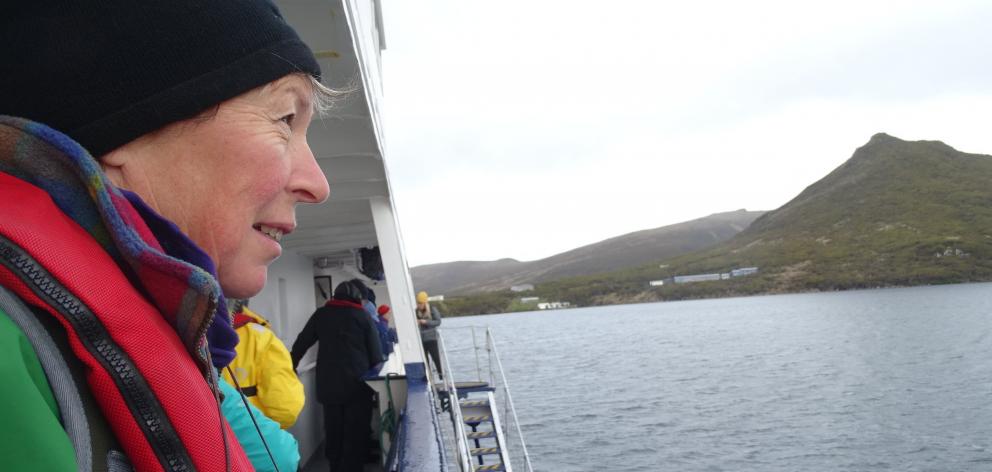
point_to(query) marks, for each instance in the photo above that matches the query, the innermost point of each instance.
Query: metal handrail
(509, 399)
(509, 411)
(478, 368)
(474, 348)
(455, 409)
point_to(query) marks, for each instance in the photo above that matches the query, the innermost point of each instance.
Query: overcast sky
(524, 128)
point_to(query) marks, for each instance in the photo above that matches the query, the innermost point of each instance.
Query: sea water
(893, 379)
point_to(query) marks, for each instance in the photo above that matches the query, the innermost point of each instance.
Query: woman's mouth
(273, 233)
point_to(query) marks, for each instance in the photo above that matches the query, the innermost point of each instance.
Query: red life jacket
(149, 389)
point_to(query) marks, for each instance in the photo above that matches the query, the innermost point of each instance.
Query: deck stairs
(484, 434)
(479, 409)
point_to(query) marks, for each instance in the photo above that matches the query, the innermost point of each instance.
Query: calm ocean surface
(895, 379)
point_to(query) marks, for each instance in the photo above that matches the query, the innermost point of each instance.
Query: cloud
(536, 127)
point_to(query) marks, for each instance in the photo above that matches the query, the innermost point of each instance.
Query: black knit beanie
(347, 290)
(108, 71)
(361, 287)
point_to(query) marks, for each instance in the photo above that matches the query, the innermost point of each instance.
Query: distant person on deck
(263, 369)
(368, 302)
(429, 319)
(387, 335)
(349, 347)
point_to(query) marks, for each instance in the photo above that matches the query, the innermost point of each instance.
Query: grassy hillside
(622, 252)
(896, 213)
(452, 277)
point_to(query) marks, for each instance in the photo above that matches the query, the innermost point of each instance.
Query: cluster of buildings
(545, 305)
(948, 252)
(540, 305)
(685, 279)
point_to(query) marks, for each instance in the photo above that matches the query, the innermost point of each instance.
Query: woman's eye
(288, 119)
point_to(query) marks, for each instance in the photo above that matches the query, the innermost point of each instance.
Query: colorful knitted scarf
(176, 276)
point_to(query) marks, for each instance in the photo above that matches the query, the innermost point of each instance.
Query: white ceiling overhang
(345, 36)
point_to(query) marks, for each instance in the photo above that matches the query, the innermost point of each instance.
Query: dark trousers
(430, 347)
(348, 428)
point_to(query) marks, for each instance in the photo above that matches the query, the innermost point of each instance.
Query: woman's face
(231, 181)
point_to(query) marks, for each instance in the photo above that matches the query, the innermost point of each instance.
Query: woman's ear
(112, 164)
(124, 162)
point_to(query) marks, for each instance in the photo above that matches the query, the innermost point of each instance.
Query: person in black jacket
(349, 347)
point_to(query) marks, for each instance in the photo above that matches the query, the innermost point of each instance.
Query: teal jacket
(285, 450)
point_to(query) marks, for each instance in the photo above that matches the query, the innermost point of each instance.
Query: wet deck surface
(318, 463)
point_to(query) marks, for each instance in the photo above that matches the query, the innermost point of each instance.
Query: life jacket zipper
(144, 406)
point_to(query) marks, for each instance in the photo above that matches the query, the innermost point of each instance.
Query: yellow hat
(422, 297)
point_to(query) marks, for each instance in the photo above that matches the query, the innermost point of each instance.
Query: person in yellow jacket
(264, 369)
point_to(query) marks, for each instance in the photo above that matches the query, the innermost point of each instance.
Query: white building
(744, 271)
(656, 283)
(522, 288)
(552, 305)
(685, 279)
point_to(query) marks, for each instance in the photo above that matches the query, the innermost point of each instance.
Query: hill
(621, 252)
(897, 213)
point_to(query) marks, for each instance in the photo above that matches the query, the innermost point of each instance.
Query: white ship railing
(491, 344)
(497, 380)
(464, 455)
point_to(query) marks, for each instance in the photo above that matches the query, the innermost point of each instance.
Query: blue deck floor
(318, 463)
